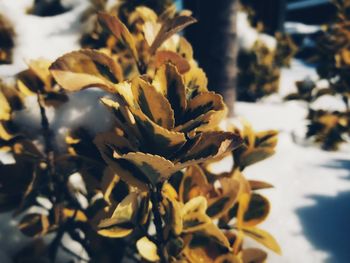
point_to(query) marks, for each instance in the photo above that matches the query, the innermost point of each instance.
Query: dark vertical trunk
(214, 43)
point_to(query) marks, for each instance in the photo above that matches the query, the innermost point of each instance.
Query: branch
(45, 126)
(157, 220)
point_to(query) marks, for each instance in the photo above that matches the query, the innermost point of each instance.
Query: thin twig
(157, 220)
(45, 126)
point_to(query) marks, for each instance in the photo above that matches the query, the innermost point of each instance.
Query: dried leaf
(253, 255)
(257, 185)
(34, 225)
(119, 31)
(170, 27)
(165, 56)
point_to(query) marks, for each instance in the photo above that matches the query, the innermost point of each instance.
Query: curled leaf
(86, 68)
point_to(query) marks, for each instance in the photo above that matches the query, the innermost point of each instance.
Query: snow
(311, 197)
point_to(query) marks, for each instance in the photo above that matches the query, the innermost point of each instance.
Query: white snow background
(310, 214)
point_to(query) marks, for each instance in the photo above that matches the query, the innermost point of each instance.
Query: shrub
(330, 128)
(153, 169)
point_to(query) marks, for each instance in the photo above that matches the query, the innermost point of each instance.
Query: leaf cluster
(260, 68)
(329, 128)
(152, 170)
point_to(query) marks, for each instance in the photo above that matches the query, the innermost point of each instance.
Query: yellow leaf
(252, 156)
(248, 133)
(228, 258)
(195, 205)
(203, 112)
(207, 245)
(5, 109)
(147, 249)
(153, 104)
(78, 214)
(173, 217)
(145, 13)
(123, 218)
(263, 238)
(108, 143)
(195, 221)
(153, 167)
(169, 82)
(267, 138)
(155, 139)
(86, 68)
(196, 80)
(193, 184)
(40, 67)
(210, 145)
(220, 205)
(257, 210)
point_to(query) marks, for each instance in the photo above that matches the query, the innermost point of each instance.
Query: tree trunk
(214, 43)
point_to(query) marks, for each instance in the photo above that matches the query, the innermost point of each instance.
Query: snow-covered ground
(311, 199)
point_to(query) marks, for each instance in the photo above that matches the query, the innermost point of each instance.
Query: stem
(157, 220)
(45, 126)
(47, 134)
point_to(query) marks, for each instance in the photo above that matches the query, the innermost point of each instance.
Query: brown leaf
(170, 27)
(119, 30)
(34, 225)
(165, 56)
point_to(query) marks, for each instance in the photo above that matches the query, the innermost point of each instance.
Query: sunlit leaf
(153, 103)
(263, 238)
(169, 82)
(210, 145)
(147, 249)
(194, 183)
(122, 221)
(220, 205)
(86, 68)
